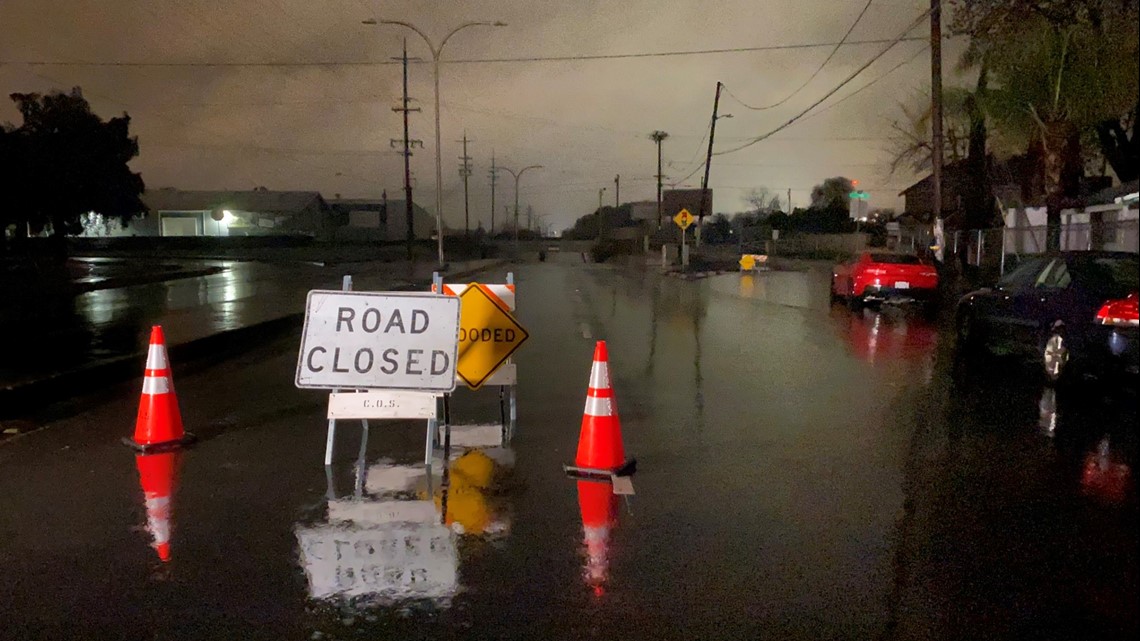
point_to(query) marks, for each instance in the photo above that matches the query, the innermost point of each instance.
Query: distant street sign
(488, 335)
(379, 340)
(684, 219)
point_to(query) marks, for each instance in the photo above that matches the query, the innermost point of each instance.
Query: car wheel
(1055, 356)
(930, 309)
(968, 342)
(854, 302)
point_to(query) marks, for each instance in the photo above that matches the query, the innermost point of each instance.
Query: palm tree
(1058, 68)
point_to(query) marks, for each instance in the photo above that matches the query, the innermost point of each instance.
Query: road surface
(804, 473)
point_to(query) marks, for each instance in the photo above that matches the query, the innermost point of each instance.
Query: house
(174, 212)
(644, 210)
(380, 219)
(919, 197)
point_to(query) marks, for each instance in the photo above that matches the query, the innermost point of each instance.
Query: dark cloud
(299, 127)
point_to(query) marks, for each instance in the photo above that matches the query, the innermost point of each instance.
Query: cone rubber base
(187, 440)
(625, 469)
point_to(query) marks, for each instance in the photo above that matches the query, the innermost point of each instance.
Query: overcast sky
(328, 127)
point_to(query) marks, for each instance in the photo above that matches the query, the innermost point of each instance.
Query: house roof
(1109, 195)
(258, 200)
(345, 205)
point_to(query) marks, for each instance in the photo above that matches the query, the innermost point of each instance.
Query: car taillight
(1120, 312)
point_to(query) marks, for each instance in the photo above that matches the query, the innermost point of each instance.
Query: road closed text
(369, 340)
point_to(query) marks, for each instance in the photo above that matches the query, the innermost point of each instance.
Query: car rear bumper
(893, 294)
(1118, 348)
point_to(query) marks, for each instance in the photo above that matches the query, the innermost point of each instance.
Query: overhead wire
(886, 73)
(831, 92)
(815, 73)
(369, 63)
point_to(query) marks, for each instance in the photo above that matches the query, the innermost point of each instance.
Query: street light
(435, 53)
(516, 177)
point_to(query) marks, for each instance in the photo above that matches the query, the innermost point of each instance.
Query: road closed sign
(379, 340)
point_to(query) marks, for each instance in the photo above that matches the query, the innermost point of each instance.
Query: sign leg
(514, 410)
(329, 441)
(429, 444)
(361, 460)
(503, 407)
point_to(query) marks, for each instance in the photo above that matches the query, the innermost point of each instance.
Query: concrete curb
(22, 397)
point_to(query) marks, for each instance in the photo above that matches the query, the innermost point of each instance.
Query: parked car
(880, 276)
(1066, 311)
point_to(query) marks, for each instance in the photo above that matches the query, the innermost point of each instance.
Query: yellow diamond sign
(683, 219)
(488, 335)
(747, 262)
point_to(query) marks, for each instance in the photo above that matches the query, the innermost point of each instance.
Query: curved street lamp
(516, 177)
(435, 54)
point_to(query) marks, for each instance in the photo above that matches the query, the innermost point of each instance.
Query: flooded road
(804, 473)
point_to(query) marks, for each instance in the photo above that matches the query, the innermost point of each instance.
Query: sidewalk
(218, 313)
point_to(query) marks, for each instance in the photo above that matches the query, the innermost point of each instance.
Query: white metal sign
(382, 404)
(379, 340)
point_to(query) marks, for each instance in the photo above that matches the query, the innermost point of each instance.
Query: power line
(815, 73)
(830, 93)
(371, 63)
(893, 69)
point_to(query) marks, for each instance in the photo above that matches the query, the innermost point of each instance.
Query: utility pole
(936, 114)
(617, 190)
(708, 165)
(789, 200)
(494, 176)
(601, 218)
(657, 137)
(408, 143)
(465, 173)
(530, 218)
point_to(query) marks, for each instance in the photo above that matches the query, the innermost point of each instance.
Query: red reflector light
(1121, 312)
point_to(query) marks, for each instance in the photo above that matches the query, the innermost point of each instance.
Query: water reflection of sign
(408, 560)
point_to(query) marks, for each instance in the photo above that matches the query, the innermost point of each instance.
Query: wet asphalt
(803, 473)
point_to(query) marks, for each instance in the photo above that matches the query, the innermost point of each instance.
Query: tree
(1119, 145)
(718, 230)
(910, 135)
(1060, 68)
(763, 200)
(72, 163)
(832, 195)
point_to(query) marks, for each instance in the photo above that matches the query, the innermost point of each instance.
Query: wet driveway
(803, 474)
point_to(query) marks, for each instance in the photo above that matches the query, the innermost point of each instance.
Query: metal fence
(989, 251)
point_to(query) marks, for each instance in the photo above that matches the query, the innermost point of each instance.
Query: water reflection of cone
(159, 423)
(600, 448)
(157, 477)
(599, 515)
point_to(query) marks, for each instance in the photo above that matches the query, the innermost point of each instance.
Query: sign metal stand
(508, 393)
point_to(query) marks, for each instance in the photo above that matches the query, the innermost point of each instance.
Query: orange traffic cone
(157, 476)
(600, 449)
(599, 514)
(159, 423)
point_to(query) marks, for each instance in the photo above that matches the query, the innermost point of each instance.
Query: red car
(877, 277)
